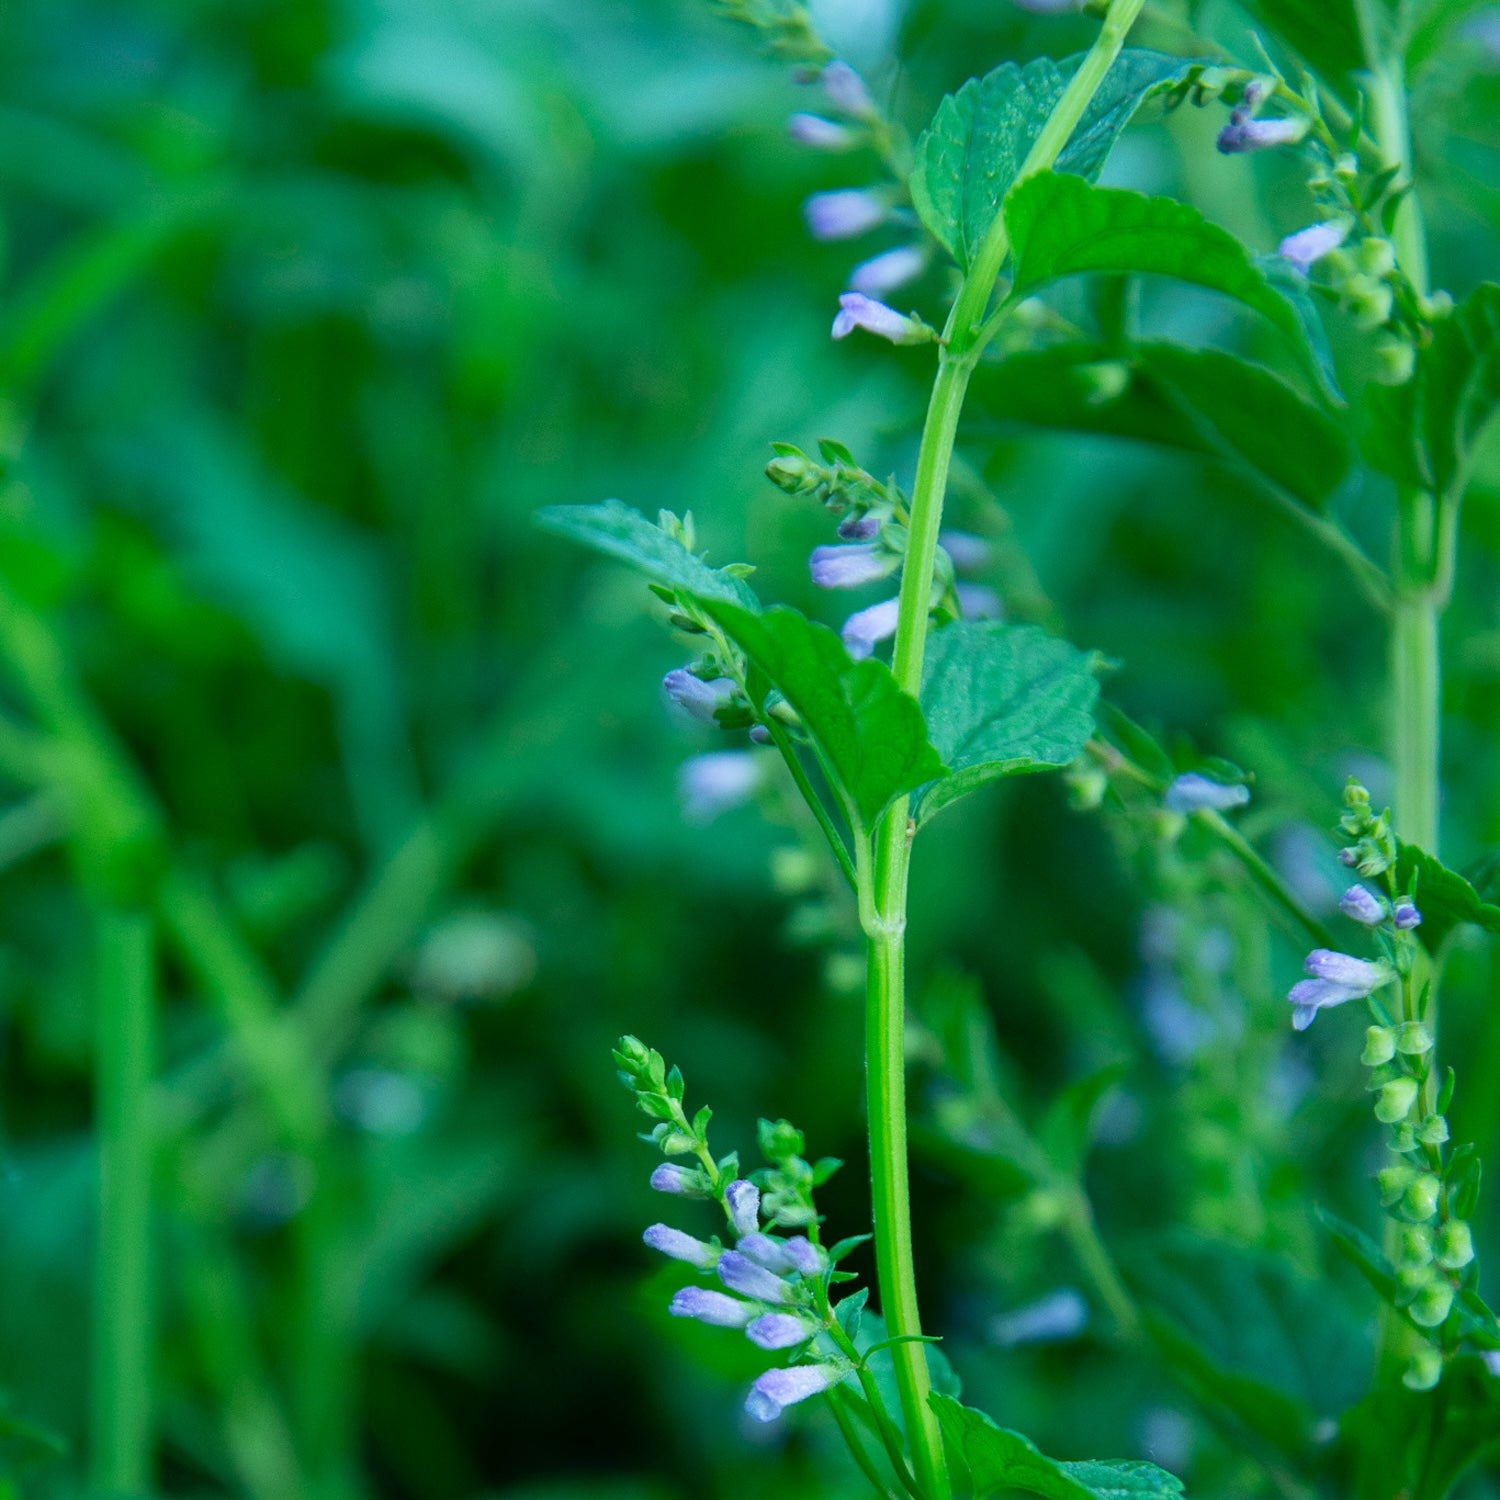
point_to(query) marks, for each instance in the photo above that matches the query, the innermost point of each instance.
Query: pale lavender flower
(740, 1274)
(858, 311)
(1309, 996)
(742, 1199)
(978, 602)
(969, 553)
(866, 628)
(846, 89)
(779, 1331)
(681, 1182)
(711, 1307)
(863, 528)
(778, 1389)
(842, 214)
(697, 698)
(1243, 133)
(805, 1255)
(1406, 915)
(1491, 1357)
(1485, 30)
(1358, 902)
(1048, 7)
(1308, 246)
(708, 785)
(760, 735)
(1192, 793)
(849, 567)
(884, 273)
(1059, 1315)
(767, 1252)
(1343, 968)
(820, 134)
(680, 1246)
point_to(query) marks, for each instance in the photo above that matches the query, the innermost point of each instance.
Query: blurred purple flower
(708, 785)
(711, 1307)
(1062, 1314)
(740, 1274)
(1243, 133)
(779, 1331)
(778, 1389)
(697, 698)
(858, 311)
(1049, 7)
(866, 628)
(680, 1246)
(1192, 793)
(1407, 916)
(969, 553)
(849, 567)
(1309, 996)
(1308, 246)
(846, 90)
(843, 214)
(884, 273)
(820, 134)
(1333, 979)
(1363, 906)
(681, 1182)
(978, 602)
(863, 528)
(742, 1199)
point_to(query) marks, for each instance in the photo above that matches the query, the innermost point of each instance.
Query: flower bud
(1455, 1245)
(1359, 903)
(680, 1246)
(1433, 1131)
(1411, 1279)
(767, 1252)
(1394, 1101)
(779, 1331)
(1308, 246)
(1421, 1198)
(1413, 1039)
(866, 628)
(1193, 793)
(742, 1199)
(852, 566)
(885, 273)
(863, 528)
(1380, 1046)
(711, 1307)
(1403, 1138)
(805, 1256)
(843, 214)
(859, 311)
(1243, 133)
(698, 699)
(1406, 914)
(711, 784)
(1425, 1369)
(820, 134)
(1414, 1245)
(1393, 1182)
(846, 90)
(740, 1274)
(794, 473)
(1432, 1304)
(778, 1389)
(681, 1182)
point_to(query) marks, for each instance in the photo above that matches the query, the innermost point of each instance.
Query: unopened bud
(1425, 1369)
(1406, 915)
(1413, 1039)
(1421, 1199)
(1455, 1245)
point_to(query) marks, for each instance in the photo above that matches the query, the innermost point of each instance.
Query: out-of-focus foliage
(306, 308)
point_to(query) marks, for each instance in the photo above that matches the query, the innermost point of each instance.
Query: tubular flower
(711, 1307)
(778, 1389)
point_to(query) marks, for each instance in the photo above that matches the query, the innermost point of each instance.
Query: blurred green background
(306, 307)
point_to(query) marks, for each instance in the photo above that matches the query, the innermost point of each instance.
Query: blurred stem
(836, 845)
(855, 1444)
(1082, 1235)
(122, 1334)
(883, 873)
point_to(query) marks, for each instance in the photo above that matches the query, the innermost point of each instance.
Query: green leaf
(619, 531)
(1362, 1253)
(1067, 1129)
(1062, 226)
(870, 732)
(1251, 1338)
(967, 159)
(1424, 434)
(998, 1461)
(1325, 35)
(1443, 896)
(1198, 400)
(1002, 700)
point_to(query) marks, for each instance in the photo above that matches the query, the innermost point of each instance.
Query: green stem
(1082, 1235)
(854, 1443)
(122, 1350)
(819, 809)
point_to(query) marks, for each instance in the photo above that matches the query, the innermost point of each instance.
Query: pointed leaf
(1002, 700)
(1061, 226)
(967, 159)
(870, 732)
(1443, 896)
(1325, 35)
(1424, 434)
(618, 531)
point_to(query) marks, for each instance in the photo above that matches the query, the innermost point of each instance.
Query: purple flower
(680, 1246)
(1308, 246)
(849, 567)
(978, 602)
(968, 553)
(711, 1307)
(1359, 903)
(681, 1182)
(883, 273)
(708, 785)
(863, 528)
(1193, 793)
(1048, 7)
(843, 214)
(1062, 1314)
(1344, 969)
(846, 89)
(767, 1252)
(697, 698)
(1309, 996)
(820, 134)
(866, 628)
(778, 1389)
(742, 1199)
(1407, 916)
(1245, 134)
(804, 1255)
(740, 1274)
(779, 1331)
(858, 311)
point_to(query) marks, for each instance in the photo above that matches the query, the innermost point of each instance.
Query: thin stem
(122, 1351)
(840, 850)
(855, 1444)
(1098, 1265)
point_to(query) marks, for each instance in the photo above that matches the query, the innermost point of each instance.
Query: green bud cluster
(1373, 852)
(837, 482)
(787, 1185)
(658, 1094)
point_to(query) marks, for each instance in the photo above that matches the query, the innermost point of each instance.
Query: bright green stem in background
(883, 883)
(122, 1348)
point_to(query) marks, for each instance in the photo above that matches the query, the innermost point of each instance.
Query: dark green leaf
(998, 1461)
(967, 159)
(621, 532)
(1362, 1253)
(1067, 1129)
(1325, 35)
(1062, 226)
(1443, 896)
(1001, 700)
(870, 732)
(1424, 434)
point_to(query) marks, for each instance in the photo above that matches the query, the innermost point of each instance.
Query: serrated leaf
(968, 158)
(1063, 226)
(999, 1461)
(871, 734)
(618, 531)
(1443, 896)
(1002, 700)
(1424, 434)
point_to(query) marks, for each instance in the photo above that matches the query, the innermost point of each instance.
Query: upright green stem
(883, 872)
(122, 1373)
